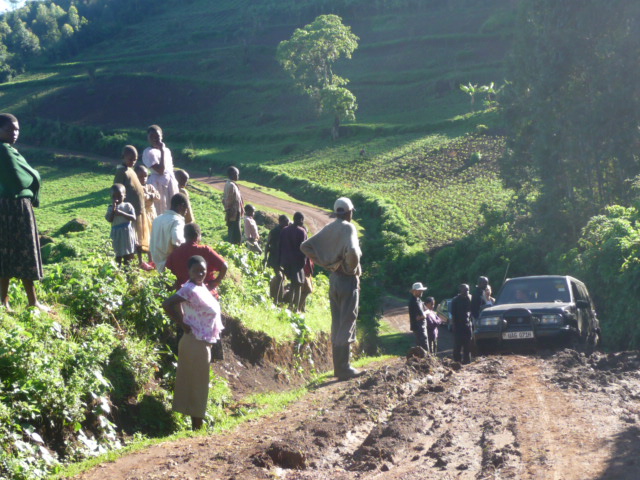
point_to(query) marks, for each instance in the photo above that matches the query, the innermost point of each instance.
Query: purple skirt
(19, 241)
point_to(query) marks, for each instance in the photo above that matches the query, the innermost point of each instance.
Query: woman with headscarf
(19, 192)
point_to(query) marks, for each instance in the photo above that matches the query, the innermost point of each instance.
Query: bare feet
(7, 307)
(41, 307)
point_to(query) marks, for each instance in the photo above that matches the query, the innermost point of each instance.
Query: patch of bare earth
(561, 416)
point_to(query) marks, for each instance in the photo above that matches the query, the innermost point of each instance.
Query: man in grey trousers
(336, 248)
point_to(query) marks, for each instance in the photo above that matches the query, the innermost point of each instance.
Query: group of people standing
(463, 310)
(150, 213)
(292, 256)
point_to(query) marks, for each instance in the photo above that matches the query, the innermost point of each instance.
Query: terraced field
(439, 183)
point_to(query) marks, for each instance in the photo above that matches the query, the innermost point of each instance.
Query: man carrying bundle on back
(336, 248)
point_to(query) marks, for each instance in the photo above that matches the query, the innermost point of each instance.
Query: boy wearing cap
(417, 319)
(336, 248)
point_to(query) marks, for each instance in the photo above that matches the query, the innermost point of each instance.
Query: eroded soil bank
(549, 416)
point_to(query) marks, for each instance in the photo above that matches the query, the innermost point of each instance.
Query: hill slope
(207, 66)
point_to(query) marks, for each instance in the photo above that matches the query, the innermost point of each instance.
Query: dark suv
(548, 307)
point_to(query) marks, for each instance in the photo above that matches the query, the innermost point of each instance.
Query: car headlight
(553, 319)
(489, 321)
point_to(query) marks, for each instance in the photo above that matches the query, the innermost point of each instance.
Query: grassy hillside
(205, 67)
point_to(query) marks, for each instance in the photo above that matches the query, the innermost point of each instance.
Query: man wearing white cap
(417, 318)
(336, 248)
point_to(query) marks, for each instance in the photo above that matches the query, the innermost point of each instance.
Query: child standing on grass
(150, 196)
(182, 177)
(122, 216)
(251, 230)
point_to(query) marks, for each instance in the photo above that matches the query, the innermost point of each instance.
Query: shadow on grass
(90, 200)
(396, 343)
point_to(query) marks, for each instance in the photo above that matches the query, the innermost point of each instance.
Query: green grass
(69, 193)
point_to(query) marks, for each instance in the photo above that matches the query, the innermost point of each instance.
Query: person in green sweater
(19, 193)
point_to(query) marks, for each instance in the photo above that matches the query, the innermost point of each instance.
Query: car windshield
(534, 290)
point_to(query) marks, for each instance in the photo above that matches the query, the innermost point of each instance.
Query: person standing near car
(477, 299)
(462, 330)
(417, 319)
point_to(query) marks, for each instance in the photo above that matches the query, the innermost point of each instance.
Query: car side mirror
(582, 304)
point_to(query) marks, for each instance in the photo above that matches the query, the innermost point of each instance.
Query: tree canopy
(308, 58)
(574, 108)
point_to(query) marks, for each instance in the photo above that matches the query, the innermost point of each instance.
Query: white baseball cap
(418, 286)
(343, 205)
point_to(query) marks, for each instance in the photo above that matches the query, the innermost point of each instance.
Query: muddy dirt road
(555, 416)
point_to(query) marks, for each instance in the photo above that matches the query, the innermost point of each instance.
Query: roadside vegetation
(99, 370)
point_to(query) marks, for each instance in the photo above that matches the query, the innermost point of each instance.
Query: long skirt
(192, 377)
(20, 255)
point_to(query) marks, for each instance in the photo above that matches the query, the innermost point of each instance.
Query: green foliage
(607, 258)
(572, 115)
(52, 393)
(308, 58)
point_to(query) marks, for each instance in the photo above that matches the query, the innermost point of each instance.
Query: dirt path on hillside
(561, 416)
(314, 218)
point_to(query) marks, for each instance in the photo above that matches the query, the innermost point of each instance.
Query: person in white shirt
(336, 248)
(157, 157)
(167, 231)
(251, 233)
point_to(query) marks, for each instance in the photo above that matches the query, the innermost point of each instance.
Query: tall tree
(309, 57)
(575, 107)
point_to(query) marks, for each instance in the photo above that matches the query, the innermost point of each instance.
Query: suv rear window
(534, 290)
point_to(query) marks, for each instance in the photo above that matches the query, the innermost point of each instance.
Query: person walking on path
(462, 329)
(233, 206)
(433, 322)
(157, 157)
(417, 319)
(336, 248)
(197, 313)
(292, 260)
(477, 298)
(168, 231)
(272, 258)
(126, 175)
(19, 239)
(178, 259)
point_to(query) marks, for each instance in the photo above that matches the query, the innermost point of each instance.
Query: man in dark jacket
(477, 299)
(272, 258)
(462, 329)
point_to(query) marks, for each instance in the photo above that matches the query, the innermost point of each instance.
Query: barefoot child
(122, 216)
(126, 175)
(150, 196)
(182, 177)
(251, 230)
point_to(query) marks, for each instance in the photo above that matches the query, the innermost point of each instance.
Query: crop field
(439, 183)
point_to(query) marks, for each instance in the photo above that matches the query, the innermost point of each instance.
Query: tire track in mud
(502, 417)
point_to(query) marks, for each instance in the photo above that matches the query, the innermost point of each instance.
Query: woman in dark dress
(19, 193)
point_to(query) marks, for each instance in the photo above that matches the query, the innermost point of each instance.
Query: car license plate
(517, 335)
